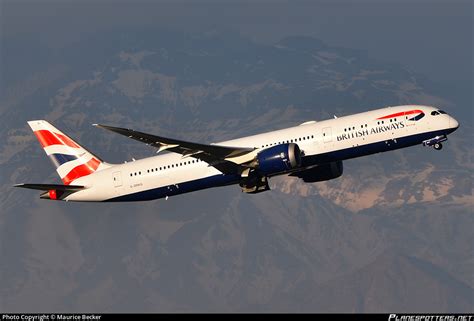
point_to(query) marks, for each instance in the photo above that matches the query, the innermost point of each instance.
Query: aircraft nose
(453, 123)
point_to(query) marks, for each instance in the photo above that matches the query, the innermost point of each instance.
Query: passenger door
(117, 181)
(327, 134)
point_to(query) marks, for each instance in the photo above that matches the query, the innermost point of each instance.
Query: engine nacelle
(321, 173)
(278, 159)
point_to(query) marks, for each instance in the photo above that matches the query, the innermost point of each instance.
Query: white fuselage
(321, 142)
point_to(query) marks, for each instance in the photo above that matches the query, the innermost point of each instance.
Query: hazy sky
(432, 37)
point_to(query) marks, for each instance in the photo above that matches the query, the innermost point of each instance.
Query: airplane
(312, 151)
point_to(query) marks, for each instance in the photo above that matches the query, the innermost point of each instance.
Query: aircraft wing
(214, 155)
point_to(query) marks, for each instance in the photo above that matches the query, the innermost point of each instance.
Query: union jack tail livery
(71, 160)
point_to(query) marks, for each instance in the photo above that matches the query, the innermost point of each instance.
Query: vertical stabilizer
(71, 160)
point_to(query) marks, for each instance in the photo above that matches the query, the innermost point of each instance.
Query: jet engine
(278, 159)
(320, 173)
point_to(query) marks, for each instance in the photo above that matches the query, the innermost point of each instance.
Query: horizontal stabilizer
(47, 187)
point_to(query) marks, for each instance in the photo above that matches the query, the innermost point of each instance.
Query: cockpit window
(438, 112)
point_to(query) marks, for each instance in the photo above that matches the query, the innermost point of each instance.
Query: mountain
(414, 282)
(393, 229)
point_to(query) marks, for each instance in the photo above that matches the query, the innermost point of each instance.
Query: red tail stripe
(403, 113)
(47, 138)
(81, 170)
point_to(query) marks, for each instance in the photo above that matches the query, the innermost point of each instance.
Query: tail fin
(70, 159)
